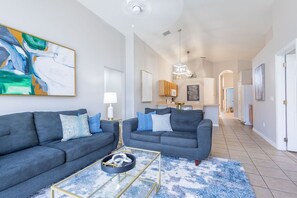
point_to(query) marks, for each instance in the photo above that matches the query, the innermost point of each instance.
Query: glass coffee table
(142, 181)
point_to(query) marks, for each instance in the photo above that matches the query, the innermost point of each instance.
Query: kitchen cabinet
(167, 89)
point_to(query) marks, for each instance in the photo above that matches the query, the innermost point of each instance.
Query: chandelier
(179, 68)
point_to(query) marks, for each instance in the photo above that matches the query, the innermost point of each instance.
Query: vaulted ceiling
(220, 30)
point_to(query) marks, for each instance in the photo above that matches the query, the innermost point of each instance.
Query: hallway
(272, 173)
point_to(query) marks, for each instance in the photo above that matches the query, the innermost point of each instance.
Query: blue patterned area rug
(213, 178)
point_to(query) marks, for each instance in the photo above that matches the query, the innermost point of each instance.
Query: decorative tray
(118, 163)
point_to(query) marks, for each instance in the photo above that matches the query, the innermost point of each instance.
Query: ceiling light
(180, 69)
(136, 7)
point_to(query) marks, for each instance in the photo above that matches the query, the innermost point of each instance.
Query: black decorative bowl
(124, 168)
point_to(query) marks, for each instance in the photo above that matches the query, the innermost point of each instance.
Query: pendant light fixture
(179, 68)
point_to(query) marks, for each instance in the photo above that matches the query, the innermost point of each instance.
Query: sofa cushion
(94, 123)
(22, 165)
(145, 122)
(180, 139)
(48, 125)
(158, 111)
(17, 132)
(80, 147)
(147, 136)
(75, 126)
(185, 120)
(161, 122)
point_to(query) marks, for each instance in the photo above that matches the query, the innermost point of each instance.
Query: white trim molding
(265, 138)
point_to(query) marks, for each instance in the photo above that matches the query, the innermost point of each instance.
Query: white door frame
(280, 95)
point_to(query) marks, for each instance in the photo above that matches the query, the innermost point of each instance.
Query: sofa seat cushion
(23, 165)
(80, 147)
(180, 139)
(147, 136)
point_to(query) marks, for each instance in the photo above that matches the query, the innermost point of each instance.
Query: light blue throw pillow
(94, 123)
(74, 126)
(161, 122)
(145, 122)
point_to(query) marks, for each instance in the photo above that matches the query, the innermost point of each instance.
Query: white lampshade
(110, 97)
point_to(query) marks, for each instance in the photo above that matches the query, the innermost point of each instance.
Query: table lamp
(110, 98)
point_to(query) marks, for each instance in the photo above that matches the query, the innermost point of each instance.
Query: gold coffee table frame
(121, 176)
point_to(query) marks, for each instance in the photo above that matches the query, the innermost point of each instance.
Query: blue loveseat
(191, 136)
(32, 155)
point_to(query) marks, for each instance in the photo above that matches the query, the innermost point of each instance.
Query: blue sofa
(191, 136)
(32, 155)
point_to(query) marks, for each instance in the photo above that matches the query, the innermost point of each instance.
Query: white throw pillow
(161, 122)
(75, 126)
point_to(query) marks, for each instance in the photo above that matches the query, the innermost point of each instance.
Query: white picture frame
(146, 86)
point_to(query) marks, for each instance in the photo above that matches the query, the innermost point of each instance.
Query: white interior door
(292, 102)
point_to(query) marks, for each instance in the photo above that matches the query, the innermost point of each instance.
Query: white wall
(207, 88)
(284, 32)
(228, 80)
(114, 82)
(202, 67)
(182, 90)
(145, 58)
(70, 24)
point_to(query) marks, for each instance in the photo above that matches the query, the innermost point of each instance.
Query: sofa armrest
(111, 127)
(204, 137)
(129, 126)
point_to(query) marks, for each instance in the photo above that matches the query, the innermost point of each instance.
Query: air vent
(166, 33)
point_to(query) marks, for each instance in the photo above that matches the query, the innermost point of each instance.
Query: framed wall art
(259, 81)
(30, 65)
(192, 92)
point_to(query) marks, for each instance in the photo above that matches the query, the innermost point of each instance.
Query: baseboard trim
(215, 125)
(265, 138)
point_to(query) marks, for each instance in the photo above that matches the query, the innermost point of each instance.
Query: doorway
(229, 100)
(114, 82)
(286, 97)
(226, 94)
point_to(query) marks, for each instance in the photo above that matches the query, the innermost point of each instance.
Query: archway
(226, 94)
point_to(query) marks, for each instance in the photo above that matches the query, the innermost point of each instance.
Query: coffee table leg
(159, 175)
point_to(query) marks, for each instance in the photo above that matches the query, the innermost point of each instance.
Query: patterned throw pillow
(94, 123)
(161, 122)
(74, 126)
(145, 121)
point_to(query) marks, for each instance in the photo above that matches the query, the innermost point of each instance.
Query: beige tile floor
(272, 173)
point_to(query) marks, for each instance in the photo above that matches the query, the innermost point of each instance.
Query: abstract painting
(259, 81)
(146, 86)
(192, 92)
(33, 66)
